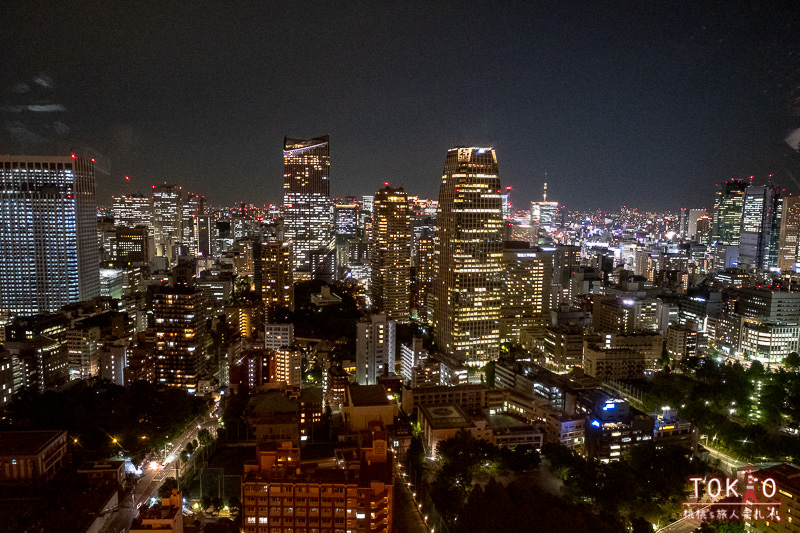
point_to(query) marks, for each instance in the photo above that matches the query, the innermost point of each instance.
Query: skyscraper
(728, 205)
(180, 330)
(167, 201)
(391, 253)
(276, 276)
(468, 256)
(758, 214)
(526, 294)
(308, 212)
(132, 210)
(192, 207)
(48, 233)
(789, 228)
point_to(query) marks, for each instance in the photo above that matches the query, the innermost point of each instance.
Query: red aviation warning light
(73, 156)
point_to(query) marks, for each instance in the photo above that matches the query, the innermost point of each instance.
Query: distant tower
(544, 195)
(48, 233)
(308, 212)
(468, 253)
(167, 205)
(133, 210)
(390, 253)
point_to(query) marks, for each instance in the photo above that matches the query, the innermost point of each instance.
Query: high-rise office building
(192, 207)
(468, 256)
(347, 230)
(527, 273)
(728, 206)
(375, 349)
(167, 218)
(691, 225)
(789, 229)
(48, 233)
(132, 210)
(180, 331)
(308, 212)
(391, 253)
(422, 273)
(134, 245)
(758, 222)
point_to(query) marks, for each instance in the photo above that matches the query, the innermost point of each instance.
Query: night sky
(647, 104)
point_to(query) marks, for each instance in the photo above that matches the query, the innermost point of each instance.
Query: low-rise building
(350, 492)
(368, 403)
(467, 396)
(31, 457)
(613, 363)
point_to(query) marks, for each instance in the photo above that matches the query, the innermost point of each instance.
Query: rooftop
(445, 416)
(363, 395)
(272, 400)
(26, 442)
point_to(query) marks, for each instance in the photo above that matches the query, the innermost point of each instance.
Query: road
(685, 525)
(152, 478)
(732, 463)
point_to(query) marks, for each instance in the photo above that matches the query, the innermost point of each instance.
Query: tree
(204, 436)
(170, 484)
(206, 501)
(792, 361)
(184, 455)
(235, 505)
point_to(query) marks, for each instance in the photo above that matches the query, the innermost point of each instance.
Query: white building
(278, 335)
(375, 348)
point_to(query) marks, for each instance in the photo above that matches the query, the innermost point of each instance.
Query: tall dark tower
(308, 212)
(468, 257)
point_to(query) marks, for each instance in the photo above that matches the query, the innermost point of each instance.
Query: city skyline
(585, 95)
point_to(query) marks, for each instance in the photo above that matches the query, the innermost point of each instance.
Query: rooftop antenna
(544, 197)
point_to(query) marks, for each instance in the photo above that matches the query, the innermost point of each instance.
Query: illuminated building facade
(48, 233)
(308, 212)
(375, 349)
(281, 492)
(132, 210)
(180, 330)
(192, 207)
(167, 217)
(526, 290)
(288, 365)
(391, 254)
(789, 229)
(134, 245)
(468, 257)
(276, 276)
(347, 230)
(759, 216)
(768, 342)
(728, 207)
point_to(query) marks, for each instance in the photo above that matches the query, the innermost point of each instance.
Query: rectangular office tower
(48, 233)
(468, 257)
(391, 254)
(308, 211)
